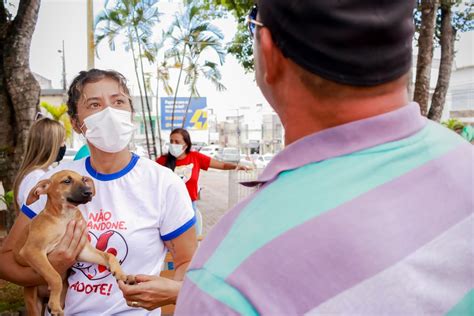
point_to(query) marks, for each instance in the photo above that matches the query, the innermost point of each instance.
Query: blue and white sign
(196, 118)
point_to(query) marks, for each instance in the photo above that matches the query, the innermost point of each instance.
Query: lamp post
(238, 130)
(64, 67)
(90, 35)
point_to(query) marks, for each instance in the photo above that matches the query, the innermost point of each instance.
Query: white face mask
(110, 130)
(176, 150)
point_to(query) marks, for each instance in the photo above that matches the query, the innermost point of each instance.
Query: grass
(11, 297)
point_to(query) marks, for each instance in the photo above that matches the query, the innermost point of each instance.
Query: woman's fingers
(71, 244)
(77, 235)
(144, 278)
(68, 236)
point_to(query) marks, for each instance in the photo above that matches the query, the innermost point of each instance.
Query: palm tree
(191, 35)
(135, 19)
(163, 76)
(194, 70)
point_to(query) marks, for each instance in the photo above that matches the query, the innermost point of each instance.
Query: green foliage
(11, 297)
(462, 21)
(133, 18)
(7, 198)
(241, 45)
(453, 124)
(190, 35)
(59, 113)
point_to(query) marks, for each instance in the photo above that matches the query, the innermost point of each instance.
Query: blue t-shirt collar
(112, 176)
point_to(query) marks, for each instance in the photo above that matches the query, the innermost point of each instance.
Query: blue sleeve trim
(180, 230)
(28, 211)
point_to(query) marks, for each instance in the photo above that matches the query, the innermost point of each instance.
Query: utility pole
(64, 67)
(238, 130)
(90, 35)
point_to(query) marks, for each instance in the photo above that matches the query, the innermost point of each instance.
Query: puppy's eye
(67, 181)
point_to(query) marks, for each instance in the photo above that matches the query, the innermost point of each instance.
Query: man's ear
(40, 188)
(271, 56)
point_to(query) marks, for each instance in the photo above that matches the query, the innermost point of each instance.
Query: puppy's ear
(40, 188)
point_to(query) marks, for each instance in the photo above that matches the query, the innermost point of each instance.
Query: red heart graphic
(106, 242)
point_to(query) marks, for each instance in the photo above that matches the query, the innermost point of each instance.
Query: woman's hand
(244, 168)
(64, 255)
(150, 291)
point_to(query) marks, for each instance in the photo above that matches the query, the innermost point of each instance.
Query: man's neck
(312, 115)
(108, 163)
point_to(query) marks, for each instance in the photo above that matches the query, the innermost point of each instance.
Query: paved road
(214, 196)
(215, 199)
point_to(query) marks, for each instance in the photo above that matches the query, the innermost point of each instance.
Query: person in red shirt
(187, 164)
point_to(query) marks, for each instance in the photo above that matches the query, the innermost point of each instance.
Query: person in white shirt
(45, 146)
(140, 210)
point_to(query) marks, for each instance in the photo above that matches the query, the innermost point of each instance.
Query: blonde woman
(45, 146)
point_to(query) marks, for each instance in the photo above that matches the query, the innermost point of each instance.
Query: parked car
(198, 146)
(229, 154)
(210, 151)
(258, 161)
(267, 158)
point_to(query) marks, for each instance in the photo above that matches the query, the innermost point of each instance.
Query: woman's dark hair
(90, 76)
(170, 159)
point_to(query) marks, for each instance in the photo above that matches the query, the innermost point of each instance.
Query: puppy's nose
(86, 192)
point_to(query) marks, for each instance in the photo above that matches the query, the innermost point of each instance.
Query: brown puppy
(66, 190)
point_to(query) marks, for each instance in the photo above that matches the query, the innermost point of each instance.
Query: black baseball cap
(354, 42)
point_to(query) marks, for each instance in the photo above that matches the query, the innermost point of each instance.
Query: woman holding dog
(140, 211)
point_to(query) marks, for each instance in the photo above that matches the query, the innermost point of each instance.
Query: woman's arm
(216, 164)
(62, 258)
(152, 292)
(182, 248)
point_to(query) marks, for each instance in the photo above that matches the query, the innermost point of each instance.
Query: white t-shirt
(133, 212)
(28, 182)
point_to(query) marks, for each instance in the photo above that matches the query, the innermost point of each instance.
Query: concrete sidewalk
(214, 196)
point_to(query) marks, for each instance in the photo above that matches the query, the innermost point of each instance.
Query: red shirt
(188, 170)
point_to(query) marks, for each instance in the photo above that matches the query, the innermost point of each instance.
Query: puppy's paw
(119, 275)
(130, 280)
(55, 310)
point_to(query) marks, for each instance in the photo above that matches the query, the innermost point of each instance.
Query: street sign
(196, 118)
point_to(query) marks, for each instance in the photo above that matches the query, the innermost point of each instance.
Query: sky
(60, 20)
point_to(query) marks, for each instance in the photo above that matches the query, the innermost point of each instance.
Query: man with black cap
(369, 208)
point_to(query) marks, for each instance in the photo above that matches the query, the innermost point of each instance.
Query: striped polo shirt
(373, 217)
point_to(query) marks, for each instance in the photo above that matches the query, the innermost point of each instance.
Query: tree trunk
(141, 94)
(448, 36)
(186, 111)
(158, 108)
(153, 139)
(425, 53)
(410, 86)
(177, 86)
(19, 90)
